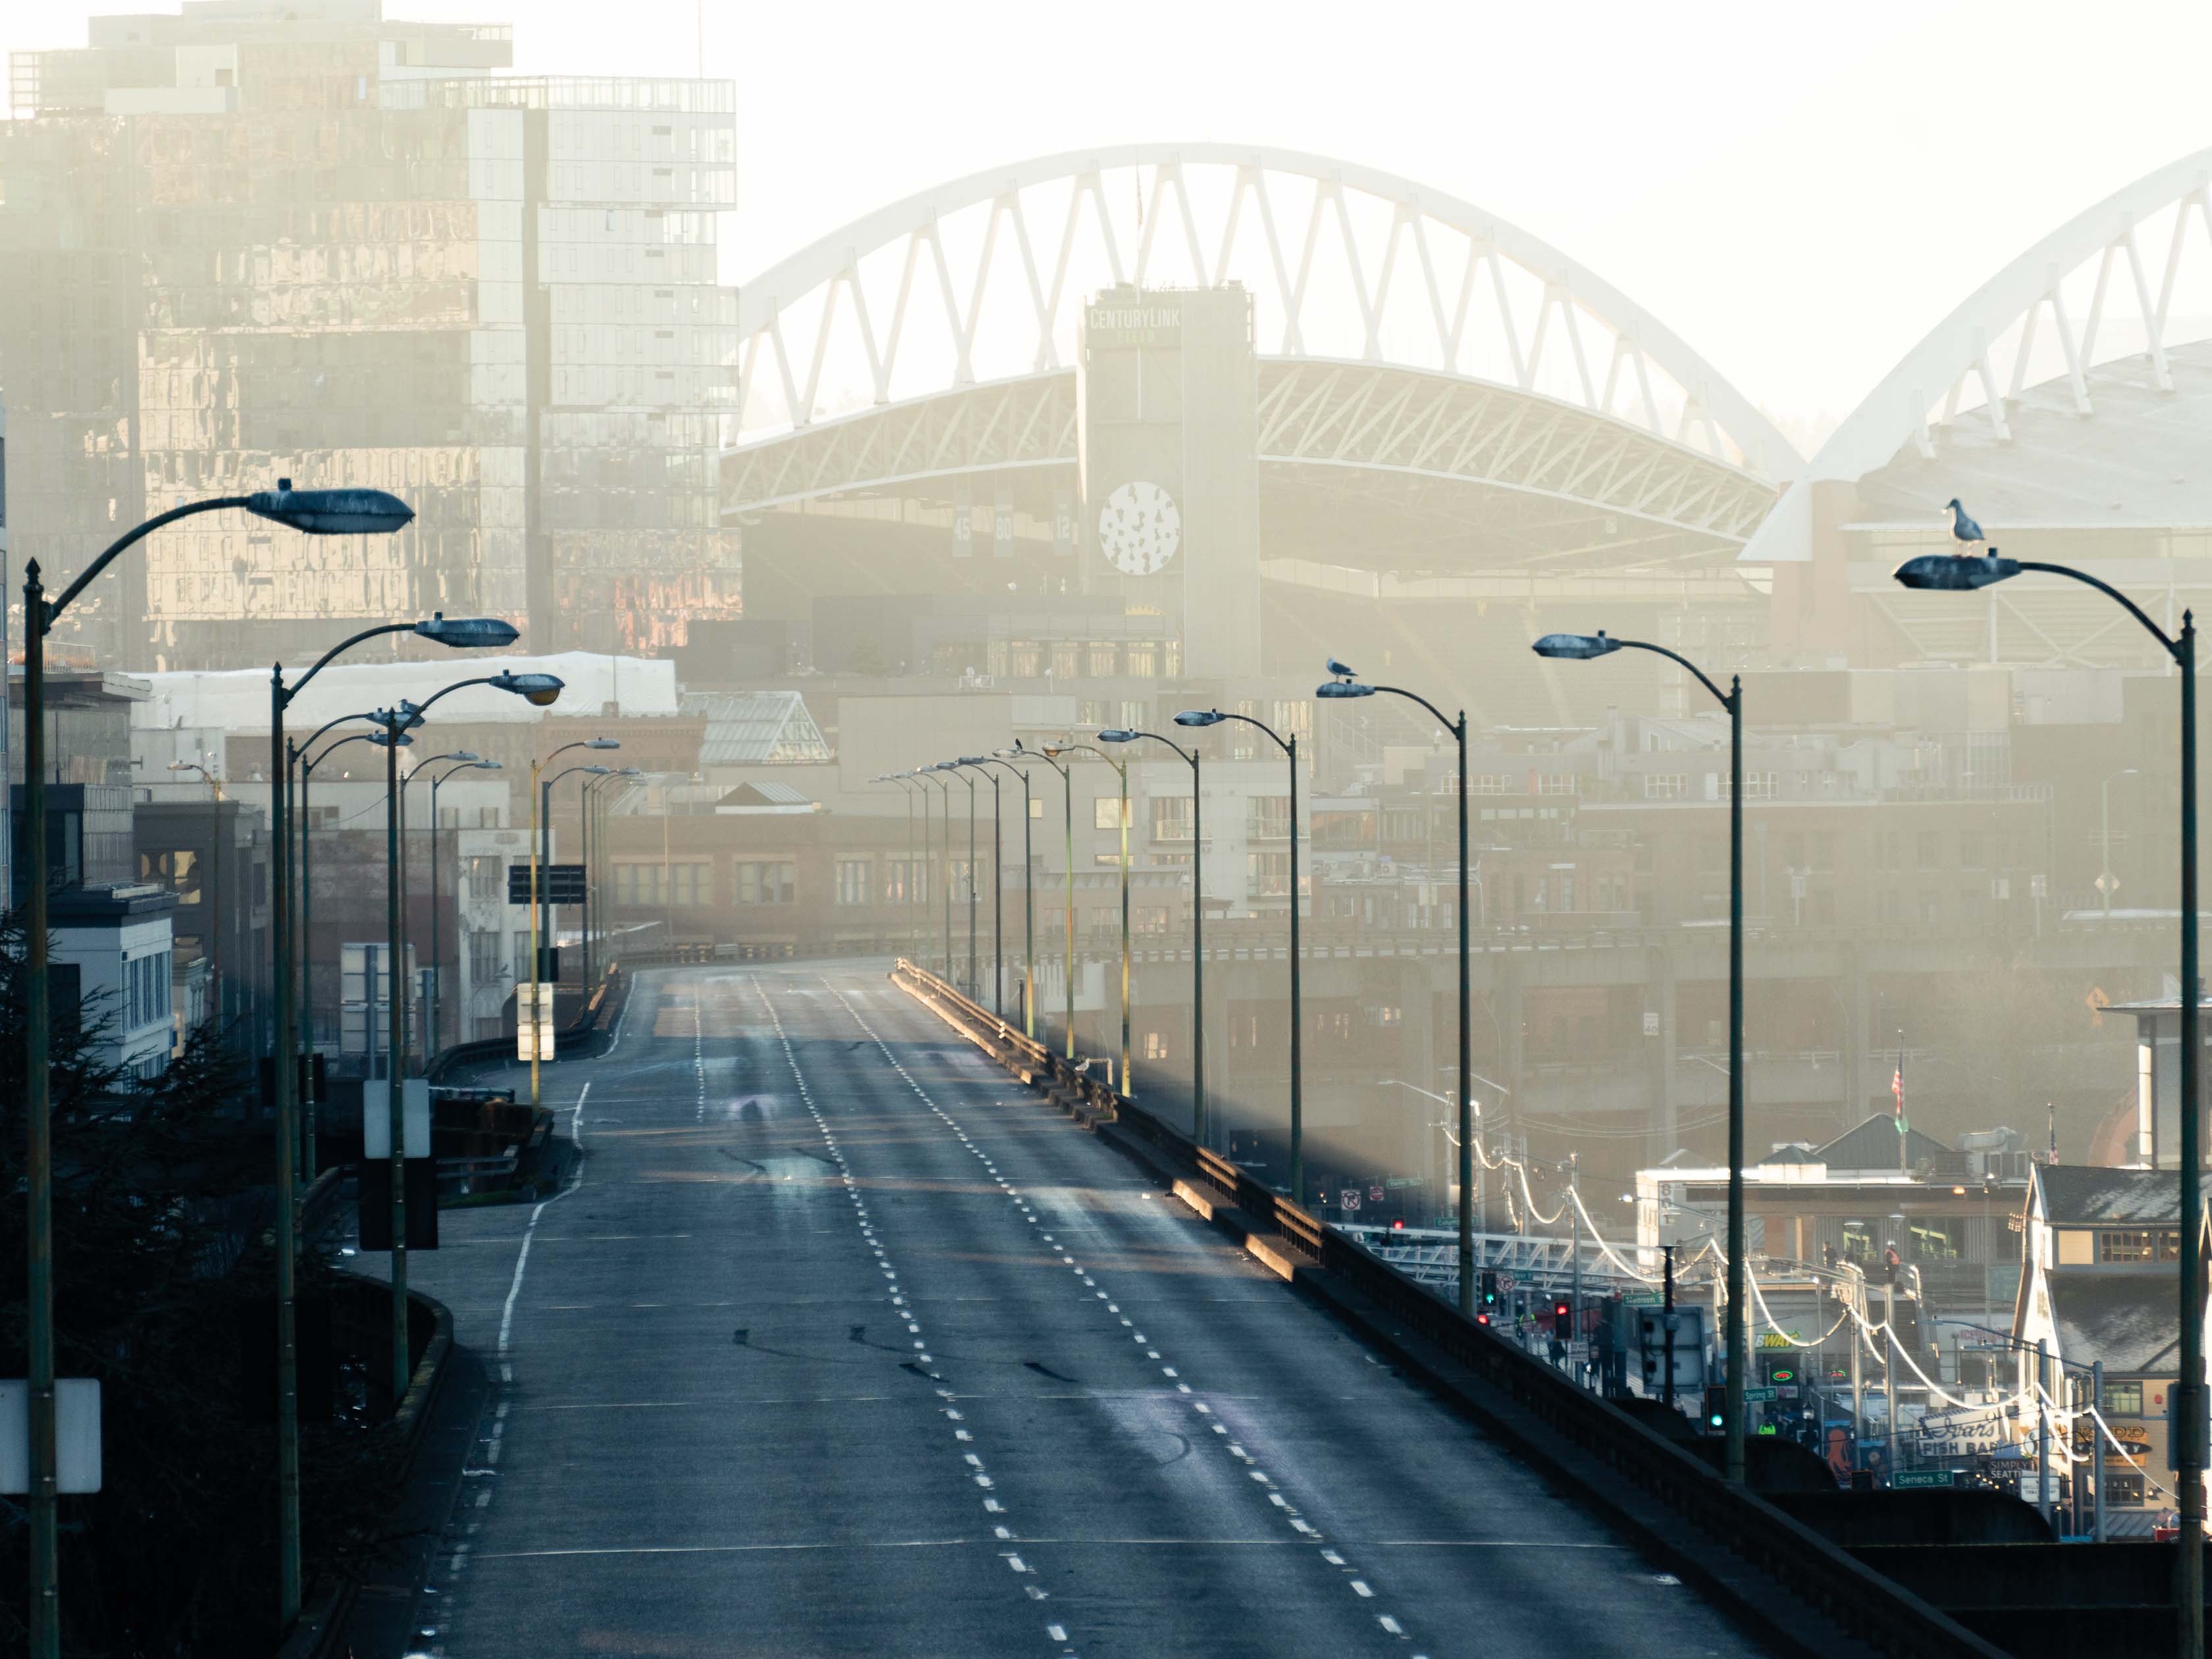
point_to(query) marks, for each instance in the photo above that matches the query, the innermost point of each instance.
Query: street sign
(77, 1435)
(525, 1028)
(1759, 1396)
(557, 883)
(1908, 1478)
(1375, 1194)
(1397, 1182)
(1350, 1198)
(1505, 1281)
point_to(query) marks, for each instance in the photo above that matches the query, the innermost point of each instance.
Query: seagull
(1964, 530)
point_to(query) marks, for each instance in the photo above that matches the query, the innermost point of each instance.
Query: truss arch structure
(2118, 286)
(981, 282)
(1448, 474)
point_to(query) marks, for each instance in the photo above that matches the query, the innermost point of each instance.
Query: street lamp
(593, 773)
(913, 913)
(593, 805)
(1122, 768)
(1123, 734)
(925, 774)
(1576, 647)
(307, 952)
(537, 688)
(1345, 685)
(981, 763)
(428, 1038)
(1290, 747)
(953, 766)
(211, 917)
(2106, 880)
(541, 899)
(1067, 877)
(469, 762)
(314, 513)
(1946, 573)
(1006, 757)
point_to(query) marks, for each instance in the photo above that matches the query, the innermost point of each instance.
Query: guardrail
(1854, 1598)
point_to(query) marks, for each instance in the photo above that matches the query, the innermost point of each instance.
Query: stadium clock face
(1139, 528)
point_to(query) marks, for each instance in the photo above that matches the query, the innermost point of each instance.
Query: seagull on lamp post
(1964, 530)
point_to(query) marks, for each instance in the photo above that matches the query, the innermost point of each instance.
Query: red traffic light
(1398, 1224)
(1562, 1309)
(1482, 1318)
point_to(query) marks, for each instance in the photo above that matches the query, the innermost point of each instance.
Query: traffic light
(1716, 1408)
(1489, 1287)
(1563, 1318)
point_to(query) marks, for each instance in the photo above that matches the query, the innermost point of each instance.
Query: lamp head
(468, 633)
(630, 772)
(484, 766)
(597, 771)
(468, 755)
(384, 739)
(603, 743)
(1337, 690)
(1199, 717)
(1575, 646)
(538, 690)
(1949, 572)
(1117, 734)
(331, 512)
(972, 760)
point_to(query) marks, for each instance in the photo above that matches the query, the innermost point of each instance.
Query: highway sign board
(557, 883)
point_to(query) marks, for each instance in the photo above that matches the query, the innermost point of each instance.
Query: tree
(163, 1191)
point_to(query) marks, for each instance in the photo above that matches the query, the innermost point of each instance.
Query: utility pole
(1575, 1294)
(1667, 1324)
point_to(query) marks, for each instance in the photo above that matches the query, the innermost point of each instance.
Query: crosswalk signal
(1716, 1408)
(1489, 1287)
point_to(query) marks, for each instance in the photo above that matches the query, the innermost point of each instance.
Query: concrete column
(1665, 1114)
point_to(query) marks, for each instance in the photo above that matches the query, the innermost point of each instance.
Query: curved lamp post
(1121, 734)
(981, 763)
(306, 764)
(953, 766)
(1121, 770)
(1067, 802)
(540, 690)
(428, 1037)
(925, 774)
(541, 900)
(1290, 747)
(592, 773)
(1581, 647)
(1006, 758)
(913, 917)
(469, 762)
(1947, 572)
(591, 807)
(1346, 684)
(314, 513)
(211, 920)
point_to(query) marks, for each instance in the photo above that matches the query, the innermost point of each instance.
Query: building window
(1107, 812)
(1557, 783)
(2124, 1396)
(762, 881)
(2128, 1246)
(906, 881)
(1156, 1045)
(1066, 660)
(484, 966)
(1104, 654)
(1171, 818)
(853, 881)
(484, 880)
(1141, 660)
(1665, 786)
(1266, 817)
(2122, 1489)
(1931, 849)
(1268, 875)
(1491, 783)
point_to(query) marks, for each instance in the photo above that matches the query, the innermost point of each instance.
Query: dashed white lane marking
(1281, 1504)
(912, 1317)
(699, 1047)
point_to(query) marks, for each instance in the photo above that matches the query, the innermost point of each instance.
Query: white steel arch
(2047, 313)
(1346, 263)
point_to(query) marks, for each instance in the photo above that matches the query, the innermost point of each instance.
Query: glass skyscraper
(260, 240)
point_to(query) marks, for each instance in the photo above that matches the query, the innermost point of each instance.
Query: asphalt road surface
(839, 1343)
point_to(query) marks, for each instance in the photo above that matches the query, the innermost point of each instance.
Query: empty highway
(837, 1342)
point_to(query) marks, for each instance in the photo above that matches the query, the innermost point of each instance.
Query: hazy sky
(1798, 191)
